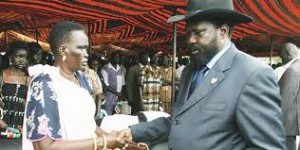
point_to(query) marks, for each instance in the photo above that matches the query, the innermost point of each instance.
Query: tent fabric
(142, 24)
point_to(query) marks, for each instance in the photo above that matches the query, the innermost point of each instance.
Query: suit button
(176, 122)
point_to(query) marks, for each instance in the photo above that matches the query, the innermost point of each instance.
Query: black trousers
(290, 142)
(10, 144)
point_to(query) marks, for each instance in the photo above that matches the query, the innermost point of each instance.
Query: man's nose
(191, 39)
(85, 54)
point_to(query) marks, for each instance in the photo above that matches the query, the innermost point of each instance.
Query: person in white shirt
(114, 79)
(182, 64)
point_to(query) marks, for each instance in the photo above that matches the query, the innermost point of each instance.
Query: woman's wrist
(3, 125)
(100, 142)
(104, 141)
(95, 143)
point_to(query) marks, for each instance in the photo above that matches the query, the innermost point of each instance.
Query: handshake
(121, 140)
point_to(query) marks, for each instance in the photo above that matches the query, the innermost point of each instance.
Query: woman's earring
(10, 63)
(64, 58)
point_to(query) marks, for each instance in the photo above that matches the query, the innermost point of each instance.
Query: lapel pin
(213, 80)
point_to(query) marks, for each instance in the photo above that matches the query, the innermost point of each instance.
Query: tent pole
(89, 36)
(37, 35)
(6, 40)
(174, 61)
(271, 49)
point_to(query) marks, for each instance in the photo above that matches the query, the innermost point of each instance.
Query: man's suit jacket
(236, 107)
(132, 88)
(290, 92)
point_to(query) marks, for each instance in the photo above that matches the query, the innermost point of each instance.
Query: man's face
(154, 60)
(165, 61)
(144, 59)
(202, 38)
(115, 59)
(122, 60)
(76, 47)
(283, 56)
(95, 64)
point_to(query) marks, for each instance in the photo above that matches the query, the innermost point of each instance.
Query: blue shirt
(213, 61)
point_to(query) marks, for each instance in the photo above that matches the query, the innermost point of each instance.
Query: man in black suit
(133, 84)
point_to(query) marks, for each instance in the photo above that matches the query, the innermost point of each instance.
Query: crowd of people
(104, 80)
(226, 99)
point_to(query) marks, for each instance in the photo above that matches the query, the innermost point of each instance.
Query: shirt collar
(111, 66)
(213, 61)
(290, 62)
(141, 65)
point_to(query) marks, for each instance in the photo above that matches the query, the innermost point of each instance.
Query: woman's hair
(60, 32)
(13, 47)
(16, 45)
(34, 48)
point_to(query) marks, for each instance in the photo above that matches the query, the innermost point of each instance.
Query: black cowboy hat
(212, 10)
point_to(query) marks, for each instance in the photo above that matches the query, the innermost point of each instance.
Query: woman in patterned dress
(166, 88)
(60, 110)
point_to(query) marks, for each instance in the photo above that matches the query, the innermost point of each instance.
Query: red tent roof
(141, 24)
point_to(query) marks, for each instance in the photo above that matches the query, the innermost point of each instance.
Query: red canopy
(141, 24)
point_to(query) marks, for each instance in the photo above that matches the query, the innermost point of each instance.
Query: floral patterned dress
(58, 108)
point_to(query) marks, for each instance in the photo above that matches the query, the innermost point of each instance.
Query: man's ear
(224, 30)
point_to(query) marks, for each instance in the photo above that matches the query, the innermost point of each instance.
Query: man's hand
(113, 141)
(127, 137)
(126, 133)
(119, 94)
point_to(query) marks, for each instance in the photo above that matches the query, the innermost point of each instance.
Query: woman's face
(75, 49)
(19, 59)
(37, 58)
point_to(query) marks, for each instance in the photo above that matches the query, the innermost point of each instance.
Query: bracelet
(104, 141)
(95, 143)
